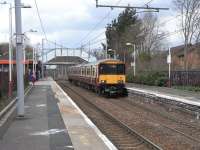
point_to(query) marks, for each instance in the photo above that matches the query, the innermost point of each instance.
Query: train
(106, 77)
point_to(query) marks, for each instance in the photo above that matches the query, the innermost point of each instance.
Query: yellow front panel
(111, 79)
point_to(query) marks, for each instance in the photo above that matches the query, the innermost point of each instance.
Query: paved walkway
(169, 93)
(53, 122)
(41, 129)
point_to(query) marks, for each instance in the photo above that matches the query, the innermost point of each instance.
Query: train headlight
(103, 81)
(120, 81)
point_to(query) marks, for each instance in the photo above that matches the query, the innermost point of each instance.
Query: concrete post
(19, 59)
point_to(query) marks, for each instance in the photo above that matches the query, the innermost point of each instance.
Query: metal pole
(55, 50)
(42, 58)
(46, 56)
(134, 60)
(33, 61)
(24, 50)
(10, 51)
(67, 52)
(89, 53)
(19, 59)
(124, 57)
(106, 50)
(169, 67)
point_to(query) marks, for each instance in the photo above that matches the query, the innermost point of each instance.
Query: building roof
(66, 60)
(99, 62)
(6, 62)
(179, 50)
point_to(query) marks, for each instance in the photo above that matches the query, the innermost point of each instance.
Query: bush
(148, 78)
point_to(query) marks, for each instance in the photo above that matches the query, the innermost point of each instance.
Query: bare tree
(151, 33)
(190, 23)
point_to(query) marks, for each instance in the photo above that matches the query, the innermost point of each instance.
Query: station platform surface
(188, 97)
(52, 122)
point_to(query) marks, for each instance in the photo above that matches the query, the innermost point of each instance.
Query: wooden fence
(191, 78)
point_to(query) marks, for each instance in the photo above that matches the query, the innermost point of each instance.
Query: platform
(53, 122)
(192, 98)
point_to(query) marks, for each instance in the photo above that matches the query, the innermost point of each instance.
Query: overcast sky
(69, 21)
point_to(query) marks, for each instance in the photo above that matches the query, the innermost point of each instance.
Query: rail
(132, 131)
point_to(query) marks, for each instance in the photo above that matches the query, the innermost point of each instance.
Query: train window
(112, 69)
(85, 71)
(82, 71)
(93, 71)
(88, 71)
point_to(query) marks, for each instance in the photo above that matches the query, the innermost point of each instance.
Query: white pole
(10, 50)
(169, 67)
(55, 50)
(33, 61)
(106, 50)
(134, 60)
(24, 49)
(89, 53)
(43, 58)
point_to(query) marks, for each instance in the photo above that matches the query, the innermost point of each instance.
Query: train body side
(106, 76)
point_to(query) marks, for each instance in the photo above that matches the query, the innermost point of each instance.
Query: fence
(4, 81)
(160, 78)
(191, 78)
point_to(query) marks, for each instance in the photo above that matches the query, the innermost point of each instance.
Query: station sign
(132, 64)
(169, 59)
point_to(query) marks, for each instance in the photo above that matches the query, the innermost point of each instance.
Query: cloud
(69, 21)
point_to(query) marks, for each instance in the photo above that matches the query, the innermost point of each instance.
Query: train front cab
(112, 78)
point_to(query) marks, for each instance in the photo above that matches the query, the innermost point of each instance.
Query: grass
(5, 100)
(188, 88)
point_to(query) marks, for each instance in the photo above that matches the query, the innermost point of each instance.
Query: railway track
(124, 137)
(149, 124)
(171, 116)
(191, 133)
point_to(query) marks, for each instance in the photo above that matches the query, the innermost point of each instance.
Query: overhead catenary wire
(149, 2)
(99, 35)
(96, 25)
(40, 19)
(94, 38)
(42, 27)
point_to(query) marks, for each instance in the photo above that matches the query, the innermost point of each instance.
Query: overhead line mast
(157, 9)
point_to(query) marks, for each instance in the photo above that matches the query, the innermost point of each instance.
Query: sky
(68, 22)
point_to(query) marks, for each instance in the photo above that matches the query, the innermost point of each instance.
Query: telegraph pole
(19, 60)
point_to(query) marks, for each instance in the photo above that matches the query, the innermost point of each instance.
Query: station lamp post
(24, 47)
(19, 58)
(10, 47)
(134, 55)
(169, 61)
(10, 42)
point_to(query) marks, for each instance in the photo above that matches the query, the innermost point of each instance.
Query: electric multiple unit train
(104, 77)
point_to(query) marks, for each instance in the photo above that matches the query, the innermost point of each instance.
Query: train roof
(98, 62)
